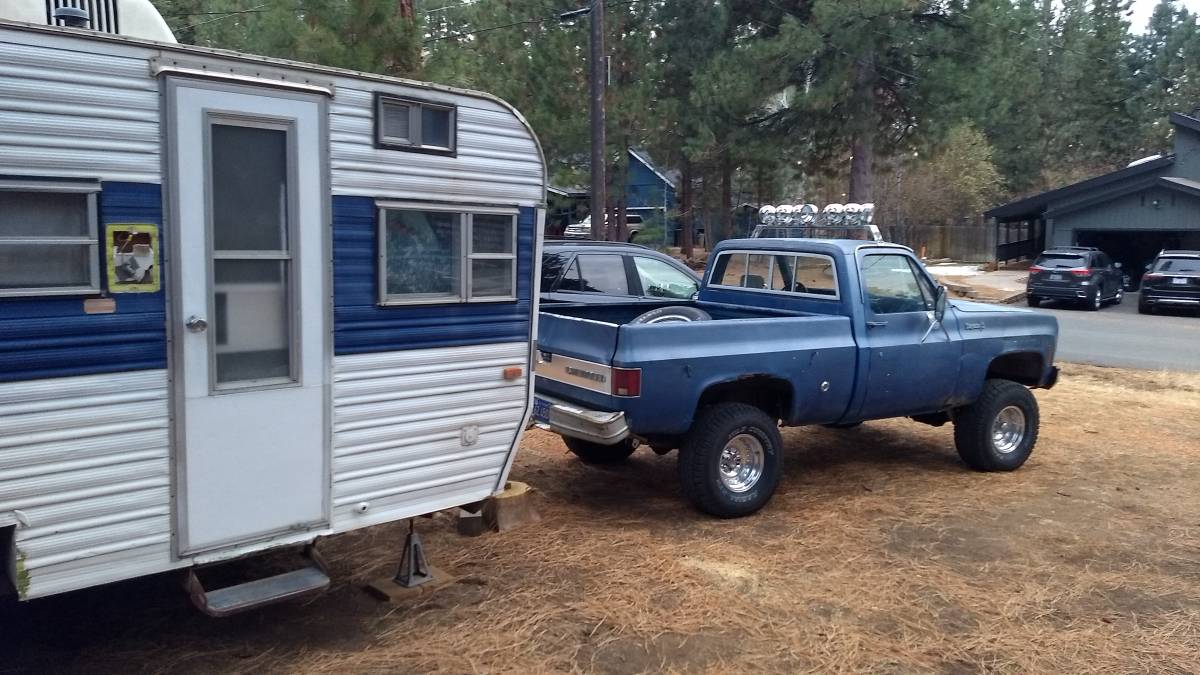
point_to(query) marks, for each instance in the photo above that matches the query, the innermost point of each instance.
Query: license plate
(1055, 277)
(1179, 281)
(541, 409)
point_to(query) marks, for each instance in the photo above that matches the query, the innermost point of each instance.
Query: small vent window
(406, 124)
(102, 14)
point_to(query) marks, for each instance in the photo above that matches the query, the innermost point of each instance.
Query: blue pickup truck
(790, 332)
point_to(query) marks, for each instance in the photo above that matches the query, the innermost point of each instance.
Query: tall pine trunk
(726, 207)
(685, 207)
(862, 161)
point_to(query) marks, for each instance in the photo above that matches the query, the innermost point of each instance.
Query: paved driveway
(1119, 336)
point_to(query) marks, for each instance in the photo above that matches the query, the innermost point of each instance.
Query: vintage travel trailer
(245, 302)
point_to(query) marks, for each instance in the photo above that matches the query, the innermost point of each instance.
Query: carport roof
(1036, 205)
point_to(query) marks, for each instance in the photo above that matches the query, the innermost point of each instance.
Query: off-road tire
(973, 427)
(673, 314)
(700, 458)
(595, 453)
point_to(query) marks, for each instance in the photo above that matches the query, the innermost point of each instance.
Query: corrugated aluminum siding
(67, 109)
(397, 425)
(51, 336)
(362, 325)
(497, 160)
(85, 471)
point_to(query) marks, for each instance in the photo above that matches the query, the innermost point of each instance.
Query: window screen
(48, 240)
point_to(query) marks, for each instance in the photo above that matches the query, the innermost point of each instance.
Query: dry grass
(880, 553)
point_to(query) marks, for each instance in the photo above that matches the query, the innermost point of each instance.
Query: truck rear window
(806, 274)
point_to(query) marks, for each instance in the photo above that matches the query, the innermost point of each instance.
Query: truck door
(913, 362)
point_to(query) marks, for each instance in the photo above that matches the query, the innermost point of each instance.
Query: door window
(892, 286)
(661, 280)
(251, 256)
(597, 273)
(552, 268)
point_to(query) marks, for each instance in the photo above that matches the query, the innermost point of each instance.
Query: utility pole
(599, 80)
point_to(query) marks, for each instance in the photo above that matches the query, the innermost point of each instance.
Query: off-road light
(766, 214)
(783, 214)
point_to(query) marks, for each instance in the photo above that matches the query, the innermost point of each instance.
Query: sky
(1142, 9)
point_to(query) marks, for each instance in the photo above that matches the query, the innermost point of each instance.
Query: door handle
(876, 324)
(196, 324)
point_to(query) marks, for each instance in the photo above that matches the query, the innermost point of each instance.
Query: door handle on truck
(876, 324)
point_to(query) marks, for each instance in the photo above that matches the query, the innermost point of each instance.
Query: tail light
(627, 381)
(1081, 272)
(1034, 269)
(1151, 276)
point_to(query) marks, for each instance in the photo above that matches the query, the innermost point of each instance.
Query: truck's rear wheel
(595, 453)
(998, 431)
(730, 461)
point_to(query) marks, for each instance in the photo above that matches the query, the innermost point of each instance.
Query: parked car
(1081, 274)
(583, 229)
(1173, 279)
(791, 331)
(602, 272)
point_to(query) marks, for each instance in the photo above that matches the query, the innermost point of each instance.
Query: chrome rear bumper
(597, 426)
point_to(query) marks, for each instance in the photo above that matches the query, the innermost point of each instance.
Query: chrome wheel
(1098, 301)
(742, 462)
(1008, 429)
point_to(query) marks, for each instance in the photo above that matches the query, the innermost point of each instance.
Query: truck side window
(815, 274)
(891, 285)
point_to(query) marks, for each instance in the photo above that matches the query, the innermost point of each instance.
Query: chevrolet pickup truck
(789, 332)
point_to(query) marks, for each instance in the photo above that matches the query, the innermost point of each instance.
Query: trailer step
(221, 602)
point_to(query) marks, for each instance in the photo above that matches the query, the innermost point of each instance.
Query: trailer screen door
(249, 314)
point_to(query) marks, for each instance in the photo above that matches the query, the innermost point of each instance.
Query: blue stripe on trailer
(53, 337)
(362, 326)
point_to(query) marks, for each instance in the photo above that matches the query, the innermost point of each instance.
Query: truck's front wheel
(594, 453)
(997, 432)
(730, 461)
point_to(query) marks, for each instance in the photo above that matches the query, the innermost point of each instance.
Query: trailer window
(438, 256)
(409, 124)
(48, 238)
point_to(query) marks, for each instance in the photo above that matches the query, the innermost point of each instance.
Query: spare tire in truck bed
(673, 314)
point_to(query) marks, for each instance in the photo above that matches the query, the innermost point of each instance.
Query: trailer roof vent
(72, 16)
(98, 15)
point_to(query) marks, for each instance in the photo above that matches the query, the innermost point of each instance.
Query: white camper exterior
(338, 332)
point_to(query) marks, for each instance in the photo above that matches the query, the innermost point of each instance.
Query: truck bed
(678, 361)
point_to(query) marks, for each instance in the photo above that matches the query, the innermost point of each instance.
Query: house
(649, 193)
(1132, 213)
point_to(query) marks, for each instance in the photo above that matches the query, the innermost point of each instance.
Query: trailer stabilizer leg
(414, 568)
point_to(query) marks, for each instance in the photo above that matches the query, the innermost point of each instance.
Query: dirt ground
(880, 553)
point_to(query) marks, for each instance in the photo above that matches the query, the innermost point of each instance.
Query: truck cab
(799, 331)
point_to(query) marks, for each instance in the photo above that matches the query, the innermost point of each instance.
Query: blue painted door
(913, 360)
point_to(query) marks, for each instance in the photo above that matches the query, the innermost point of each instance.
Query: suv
(604, 272)
(1083, 274)
(583, 229)
(1173, 279)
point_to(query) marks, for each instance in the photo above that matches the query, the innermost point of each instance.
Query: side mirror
(939, 307)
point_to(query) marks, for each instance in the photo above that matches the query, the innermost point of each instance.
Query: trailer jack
(414, 568)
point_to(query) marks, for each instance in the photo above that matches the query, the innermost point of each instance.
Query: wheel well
(1024, 367)
(770, 394)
